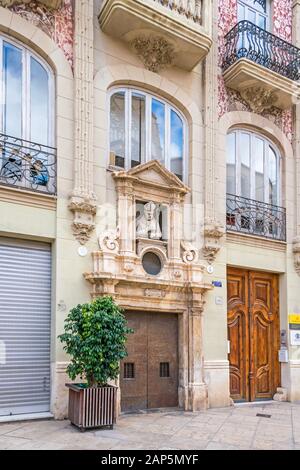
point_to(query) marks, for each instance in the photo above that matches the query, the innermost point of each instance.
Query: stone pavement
(236, 427)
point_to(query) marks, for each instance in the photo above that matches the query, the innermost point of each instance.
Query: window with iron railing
(27, 153)
(253, 185)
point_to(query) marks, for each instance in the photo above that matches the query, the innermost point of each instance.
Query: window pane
(117, 129)
(12, 75)
(272, 177)
(261, 21)
(158, 131)
(258, 148)
(241, 12)
(138, 129)
(176, 158)
(39, 103)
(231, 164)
(251, 16)
(245, 164)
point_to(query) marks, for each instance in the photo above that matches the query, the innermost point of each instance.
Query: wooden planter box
(92, 407)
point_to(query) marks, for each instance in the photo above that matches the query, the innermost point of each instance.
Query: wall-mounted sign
(217, 283)
(294, 318)
(210, 269)
(283, 355)
(295, 337)
(218, 300)
(82, 250)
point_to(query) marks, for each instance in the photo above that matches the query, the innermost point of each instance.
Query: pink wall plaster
(230, 100)
(57, 24)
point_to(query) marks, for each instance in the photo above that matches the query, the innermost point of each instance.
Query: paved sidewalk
(236, 427)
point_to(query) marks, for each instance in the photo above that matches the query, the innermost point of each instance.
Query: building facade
(150, 151)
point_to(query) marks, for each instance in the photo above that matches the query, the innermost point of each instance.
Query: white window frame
(249, 6)
(238, 152)
(128, 91)
(27, 54)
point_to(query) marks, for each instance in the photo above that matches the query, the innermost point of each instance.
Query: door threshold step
(255, 403)
(26, 417)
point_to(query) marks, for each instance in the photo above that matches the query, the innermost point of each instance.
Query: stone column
(213, 230)
(83, 199)
(197, 389)
(296, 142)
(175, 228)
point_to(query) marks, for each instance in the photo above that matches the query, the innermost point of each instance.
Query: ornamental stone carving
(108, 240)
(83, 223)
(147, 224)
(259, 99)
(155, 52)
(296, 251)
(51, 4)
(213, 232)
(189, 252)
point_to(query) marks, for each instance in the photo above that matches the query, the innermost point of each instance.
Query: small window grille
(164, 369)
(129, 370)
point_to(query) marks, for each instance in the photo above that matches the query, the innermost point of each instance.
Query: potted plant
(94, 337)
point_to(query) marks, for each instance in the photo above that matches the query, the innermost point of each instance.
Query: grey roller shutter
(25, 327)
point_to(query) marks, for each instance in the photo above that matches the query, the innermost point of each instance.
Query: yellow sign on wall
(294, 318)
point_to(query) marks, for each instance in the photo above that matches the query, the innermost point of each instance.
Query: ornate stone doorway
(149, 374)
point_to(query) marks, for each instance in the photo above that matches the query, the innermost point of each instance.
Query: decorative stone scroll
(51, 4)
(155, 52)
(108, 240)
(189, 252)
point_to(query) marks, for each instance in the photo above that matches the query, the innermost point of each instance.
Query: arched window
(27, 158)
(26, 95)
(144, 127)
(256, 11)
(253, 167)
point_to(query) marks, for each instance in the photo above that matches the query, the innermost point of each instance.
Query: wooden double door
(149, 374)
(253, 334)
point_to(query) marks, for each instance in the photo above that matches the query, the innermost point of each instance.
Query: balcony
(161, 32)
(27, 165)
(255, 218)
(261, 66)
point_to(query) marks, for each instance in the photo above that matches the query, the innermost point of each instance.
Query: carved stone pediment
(51, 4)
(154, 177)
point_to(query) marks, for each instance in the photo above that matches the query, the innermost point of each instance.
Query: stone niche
(145, 264)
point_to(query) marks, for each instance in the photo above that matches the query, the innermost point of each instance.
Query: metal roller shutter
(25, 322)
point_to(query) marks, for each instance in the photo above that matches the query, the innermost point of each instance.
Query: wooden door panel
(152, 360)
(134, 389)
(162, 360)
(253, 331)
(237, 296)
(264, 333)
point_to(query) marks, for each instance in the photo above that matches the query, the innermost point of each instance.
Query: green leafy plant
(95, 336)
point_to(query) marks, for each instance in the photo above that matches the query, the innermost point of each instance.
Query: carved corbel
(296, 251)
(259, 99)
(84, 210)
(155, 52)
(51, 4)
(213, 232)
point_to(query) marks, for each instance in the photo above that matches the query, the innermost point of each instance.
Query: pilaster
(83, 199)
(296, 144)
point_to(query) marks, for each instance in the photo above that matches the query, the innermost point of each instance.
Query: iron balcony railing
(27, 165)
(256, 218)
(248, 41)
